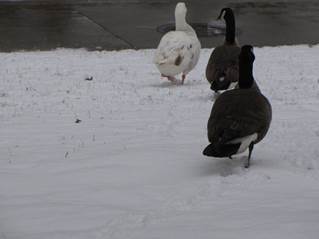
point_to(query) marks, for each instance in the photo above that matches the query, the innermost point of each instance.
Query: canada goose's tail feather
(221, 150)
(220, 84)
(221, 76)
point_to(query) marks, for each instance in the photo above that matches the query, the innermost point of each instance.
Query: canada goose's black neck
(230, 25)
(230, 29)
(246, 60)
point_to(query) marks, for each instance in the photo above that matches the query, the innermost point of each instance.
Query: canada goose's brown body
(239, 114)
(222, 67)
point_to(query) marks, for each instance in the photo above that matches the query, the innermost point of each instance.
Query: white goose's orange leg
(170, 78)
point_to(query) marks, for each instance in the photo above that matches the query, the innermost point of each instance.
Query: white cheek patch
(223, 14)
(244, 142)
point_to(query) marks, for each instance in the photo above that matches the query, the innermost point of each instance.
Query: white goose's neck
(182, 25)
(180, 19)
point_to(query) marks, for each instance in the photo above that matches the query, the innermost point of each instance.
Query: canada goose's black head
(228, 15)
(246, 61)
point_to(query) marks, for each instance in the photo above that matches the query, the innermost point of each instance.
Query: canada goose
(222, 67)
(178, 51)
(240, 118)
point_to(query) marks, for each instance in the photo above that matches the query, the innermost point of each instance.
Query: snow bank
(132, 166)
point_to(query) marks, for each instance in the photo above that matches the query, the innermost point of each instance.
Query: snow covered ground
(133, 166)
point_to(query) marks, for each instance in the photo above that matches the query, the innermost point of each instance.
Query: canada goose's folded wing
(239, 113)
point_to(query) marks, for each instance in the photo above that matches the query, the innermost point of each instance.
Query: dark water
(101, 25)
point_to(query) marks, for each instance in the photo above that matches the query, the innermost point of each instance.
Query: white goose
(178, 51)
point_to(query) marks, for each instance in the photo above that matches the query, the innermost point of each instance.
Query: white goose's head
(180, 11)
(180, 18)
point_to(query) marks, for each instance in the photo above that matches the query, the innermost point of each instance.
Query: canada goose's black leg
(251, 147)
(183, 78)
